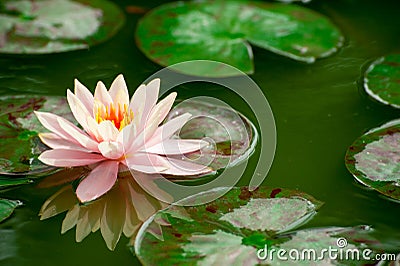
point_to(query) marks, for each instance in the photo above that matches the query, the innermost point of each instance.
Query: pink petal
(84, 95)
(79, 111)
(101, 94)
(56, 142)
(78, 135)
(119, 92)
(183, 168)
(143, 101)
(107, 131)
(140, 139)
(50, 122)
(146, 163)
(161, 110)
(93, 126)
(177, 146)
(127, 135)
(68, 158)
(98, 182)
(168, 129)
(111, 149)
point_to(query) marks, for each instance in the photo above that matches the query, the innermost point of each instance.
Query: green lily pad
(51, 26)
(223, 31)
(382, 80)
(7, 182)
(7, 208)
(373, 159)
(239, 216)
(232, 136)
(19, 142)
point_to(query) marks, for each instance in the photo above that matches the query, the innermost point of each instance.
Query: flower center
(119, 115)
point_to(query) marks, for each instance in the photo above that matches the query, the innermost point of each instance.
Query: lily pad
(51, 26)
(223, 31)
(232, 136)
(373, 159)
(238, 217)
(7, 182)
(382, 80)
(19, 142)
(7, 208)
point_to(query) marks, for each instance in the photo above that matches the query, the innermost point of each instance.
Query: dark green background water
(319, 110)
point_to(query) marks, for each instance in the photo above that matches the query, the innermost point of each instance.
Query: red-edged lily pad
(51, 26)
(19, 142)
(382, 80)
(374, 158)
(223, 31)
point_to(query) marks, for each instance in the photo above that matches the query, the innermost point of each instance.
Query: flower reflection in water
(122, 210)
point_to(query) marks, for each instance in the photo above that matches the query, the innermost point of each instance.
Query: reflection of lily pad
(234, 214)
(19, 143)
(232, 229)
(7, 208)
(49, 26)
(374, 159)
(222, 31)
(382, 80)
(232, 136)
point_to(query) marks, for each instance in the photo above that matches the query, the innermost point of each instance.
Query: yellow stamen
(119, 115)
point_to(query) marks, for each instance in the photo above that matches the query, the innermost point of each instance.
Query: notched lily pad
(19, 142)
(7, 208)
(382, 80)
(232, 136)
(374, 158)
(223, 31)
(51, 26)
(183, 239)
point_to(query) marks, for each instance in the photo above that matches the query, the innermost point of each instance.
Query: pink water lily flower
(117, 135)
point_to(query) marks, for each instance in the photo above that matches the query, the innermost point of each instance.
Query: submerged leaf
(382, 80)
(7, 208)
(374, 159)
(50, 26)
(222, 30)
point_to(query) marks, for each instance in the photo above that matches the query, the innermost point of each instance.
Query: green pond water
(319, 110)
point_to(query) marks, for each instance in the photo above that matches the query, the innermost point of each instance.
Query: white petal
(167, 130)
(101, 94)
(119, 92)
(111, 149)
(84, 95)
(177, 146)
(107, 131)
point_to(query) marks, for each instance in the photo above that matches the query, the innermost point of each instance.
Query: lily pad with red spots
(374, 158)
(19, 143)
(224, 30)
(382, 80)
(234, 228)
(52, 26)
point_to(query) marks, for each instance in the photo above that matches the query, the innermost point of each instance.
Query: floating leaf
(222, 30)
(374, 158)
(232, 136)
(235, 218)
(7, 208)
(19, 144)
(12, 182)
(382, 80)
(50, 26)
